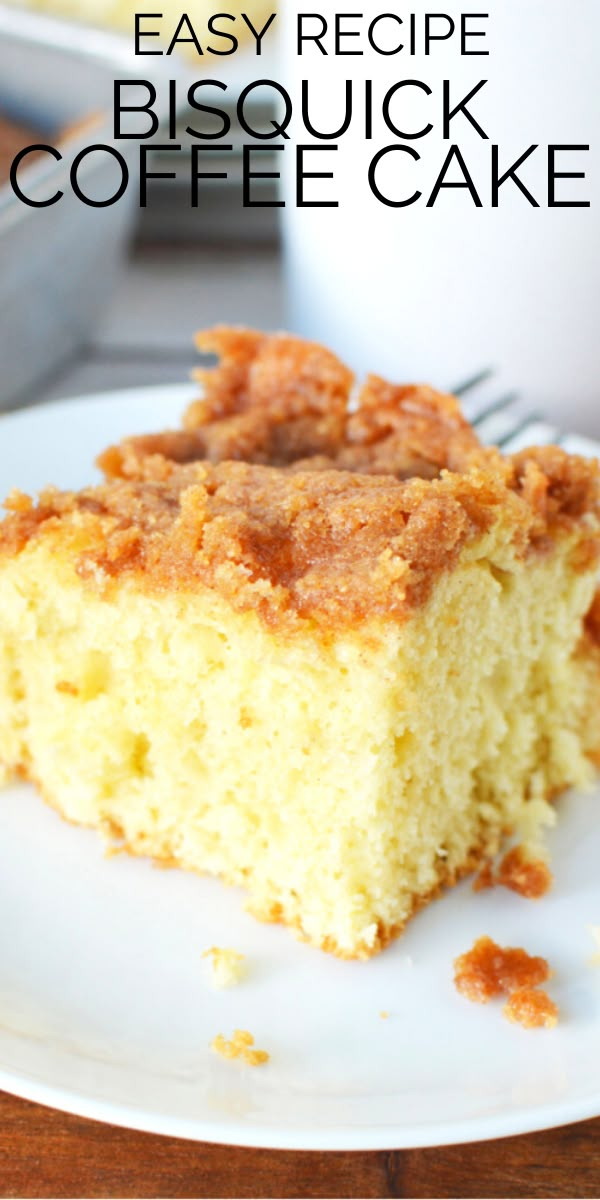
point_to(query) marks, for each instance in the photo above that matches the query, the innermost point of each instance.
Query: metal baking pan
(58, 265)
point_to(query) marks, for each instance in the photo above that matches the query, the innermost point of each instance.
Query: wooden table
(165, 295)
(46, 1153)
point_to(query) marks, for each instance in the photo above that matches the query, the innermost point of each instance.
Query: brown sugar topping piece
(408, 430)
(273, 399)
(279, 372)
(531, 1008)
(485, 879)
(529, 877)
(559, 489)
(489, 970)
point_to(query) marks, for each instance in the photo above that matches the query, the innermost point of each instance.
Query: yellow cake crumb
(384, 1015)
(226, 965)
(241, 1046)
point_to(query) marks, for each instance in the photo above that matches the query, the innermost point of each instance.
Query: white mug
(442, 292)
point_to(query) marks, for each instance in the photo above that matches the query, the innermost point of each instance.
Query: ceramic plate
(105, 1003)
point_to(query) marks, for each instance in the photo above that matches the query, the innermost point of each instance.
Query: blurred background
(102, 298)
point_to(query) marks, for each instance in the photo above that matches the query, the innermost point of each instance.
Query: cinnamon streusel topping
(276, 399)
(337, 515)
(331, 546)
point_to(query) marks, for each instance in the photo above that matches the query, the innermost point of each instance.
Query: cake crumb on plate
(227, 969)
(520, 872)
(241, 1046)
(532, 1008)
(489, 970)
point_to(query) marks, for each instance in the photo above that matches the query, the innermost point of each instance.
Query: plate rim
(266, 1137)
(104, 396)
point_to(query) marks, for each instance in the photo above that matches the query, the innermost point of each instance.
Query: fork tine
(502, 420)
(532, 431)
(523, 426)
(482, 394)
(473, 381)
(496, 406)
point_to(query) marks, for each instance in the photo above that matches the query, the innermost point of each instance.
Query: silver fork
(503, 419)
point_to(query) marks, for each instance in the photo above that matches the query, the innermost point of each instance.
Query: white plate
(105, 1007)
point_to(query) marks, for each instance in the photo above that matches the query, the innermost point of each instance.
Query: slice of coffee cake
(334, 682)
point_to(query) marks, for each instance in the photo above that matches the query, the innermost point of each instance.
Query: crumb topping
(529, 877)
(226, 966)
(278, 400)
(241, 1046)
(489, 970)
(329, 546)
(532, 1008)
(354, 515)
